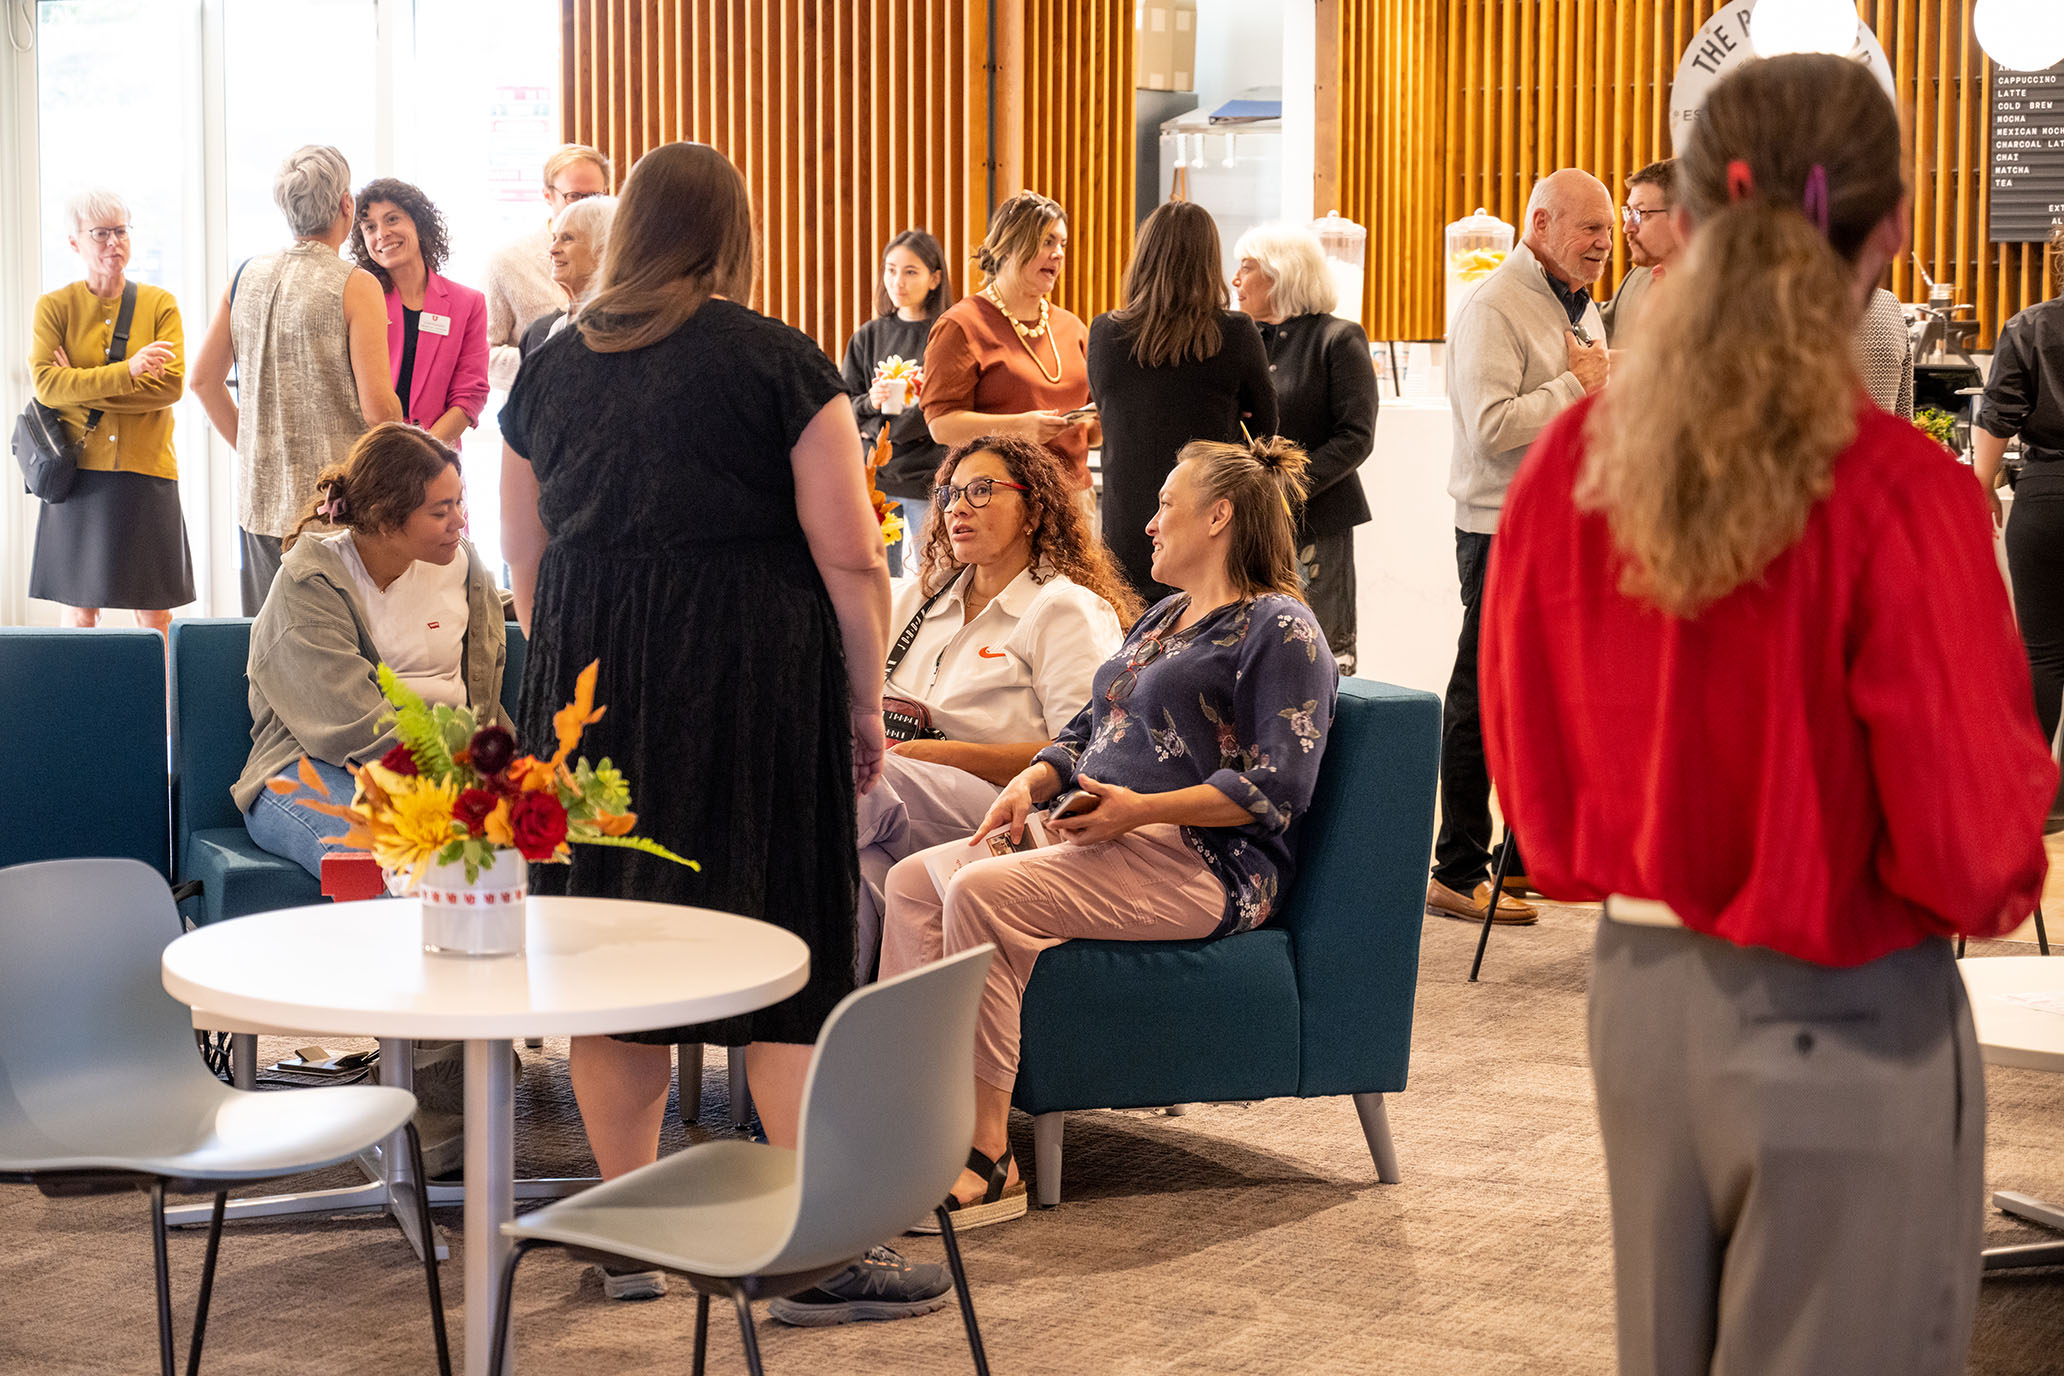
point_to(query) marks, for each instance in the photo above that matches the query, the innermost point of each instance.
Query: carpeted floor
(1232, 1239)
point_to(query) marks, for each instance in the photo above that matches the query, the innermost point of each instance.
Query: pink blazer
(450, 369)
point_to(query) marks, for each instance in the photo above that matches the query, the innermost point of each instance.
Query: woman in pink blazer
(436, 330)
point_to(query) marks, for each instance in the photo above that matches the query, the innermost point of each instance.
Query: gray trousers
(261, 566)
(1795, 1156)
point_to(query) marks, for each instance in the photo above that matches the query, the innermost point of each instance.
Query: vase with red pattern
(481, 916)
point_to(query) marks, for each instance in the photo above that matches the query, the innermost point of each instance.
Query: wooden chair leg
(1376, 1131)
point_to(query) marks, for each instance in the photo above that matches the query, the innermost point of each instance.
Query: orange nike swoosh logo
(987, 653)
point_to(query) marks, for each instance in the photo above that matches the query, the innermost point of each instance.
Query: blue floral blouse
(1241, 701)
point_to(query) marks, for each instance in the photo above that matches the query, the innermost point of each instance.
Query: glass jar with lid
(1346, 246)
(1476, 245)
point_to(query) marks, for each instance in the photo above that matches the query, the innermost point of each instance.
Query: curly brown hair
(1061, 539)
(380, 483)
(431, 237)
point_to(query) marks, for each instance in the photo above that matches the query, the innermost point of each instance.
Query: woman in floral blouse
(1199, 747)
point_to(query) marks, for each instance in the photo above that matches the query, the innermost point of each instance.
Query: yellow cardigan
(135, 434)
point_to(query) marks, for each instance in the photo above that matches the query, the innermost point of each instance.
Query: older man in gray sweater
(1527, 343)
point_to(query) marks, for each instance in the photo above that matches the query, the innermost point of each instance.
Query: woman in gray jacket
(398, 583)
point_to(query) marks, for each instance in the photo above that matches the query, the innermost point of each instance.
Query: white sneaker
(632, 1285)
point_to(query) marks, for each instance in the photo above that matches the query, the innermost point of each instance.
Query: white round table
(592, 966)
(2014, 1033)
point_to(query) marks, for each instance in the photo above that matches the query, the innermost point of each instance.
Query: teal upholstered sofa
(211, 739)
(1316, 1002)
(82, 713)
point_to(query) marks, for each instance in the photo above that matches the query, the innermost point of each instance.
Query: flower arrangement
(885, 510)
(454, 791)
(1938, 425)
(908, 371)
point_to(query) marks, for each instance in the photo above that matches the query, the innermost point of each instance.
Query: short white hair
(589, 217)
(97, 204)
(1294, 262)
(310, 188)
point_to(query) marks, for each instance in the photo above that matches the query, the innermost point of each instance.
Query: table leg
(2026, 1254)
(490, 1191)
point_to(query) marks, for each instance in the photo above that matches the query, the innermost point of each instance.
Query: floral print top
(1243, 701)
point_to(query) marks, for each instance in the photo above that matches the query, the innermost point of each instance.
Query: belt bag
(904, 720)
(49, 457)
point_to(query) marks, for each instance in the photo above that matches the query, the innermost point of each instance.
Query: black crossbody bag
(905, 719)
(49, 457)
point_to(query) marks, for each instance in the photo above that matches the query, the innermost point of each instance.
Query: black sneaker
(881, 1285)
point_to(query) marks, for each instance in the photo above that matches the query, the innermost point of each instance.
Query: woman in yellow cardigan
(118, 540)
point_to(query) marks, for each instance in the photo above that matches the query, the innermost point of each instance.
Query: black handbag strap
(909, 636)
(118, 346)
(232, 333)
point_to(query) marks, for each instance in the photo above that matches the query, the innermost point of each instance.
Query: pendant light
(2021, 35)
(1803, 26)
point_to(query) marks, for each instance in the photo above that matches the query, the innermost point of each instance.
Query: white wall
(1239, 44)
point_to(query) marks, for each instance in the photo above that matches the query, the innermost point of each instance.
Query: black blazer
(1326, 399)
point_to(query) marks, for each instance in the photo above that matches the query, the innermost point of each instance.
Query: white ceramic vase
(481, 917)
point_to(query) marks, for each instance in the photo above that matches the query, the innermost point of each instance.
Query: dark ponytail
(1264, 481)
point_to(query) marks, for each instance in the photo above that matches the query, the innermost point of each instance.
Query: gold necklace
(1026, 334)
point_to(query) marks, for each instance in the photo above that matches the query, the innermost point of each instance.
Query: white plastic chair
(100, 1087)
(888, 1112)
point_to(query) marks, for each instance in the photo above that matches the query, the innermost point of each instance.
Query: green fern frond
(417, 726)
(646, 844)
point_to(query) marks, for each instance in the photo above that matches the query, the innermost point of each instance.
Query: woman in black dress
(1169, 366)
(683, 500)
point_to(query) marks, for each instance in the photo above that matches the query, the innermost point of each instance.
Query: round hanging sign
(1723, 44)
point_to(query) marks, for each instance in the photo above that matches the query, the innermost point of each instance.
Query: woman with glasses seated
(1196, 756)
(1015, 605)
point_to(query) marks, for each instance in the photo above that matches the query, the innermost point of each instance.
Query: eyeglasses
(977, 492)
(1633, 217)
(571, 196)
(1143, 654)
(105, 234)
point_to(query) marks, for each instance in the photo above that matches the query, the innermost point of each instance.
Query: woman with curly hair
(1015, 604)
(436, 329)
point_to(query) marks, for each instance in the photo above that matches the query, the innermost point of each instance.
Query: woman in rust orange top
(1007, 361)
(1750, 676)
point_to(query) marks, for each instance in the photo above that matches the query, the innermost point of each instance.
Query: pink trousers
(1146, 885)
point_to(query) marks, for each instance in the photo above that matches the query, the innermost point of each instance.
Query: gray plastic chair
(888, 1111)
(101, 1090)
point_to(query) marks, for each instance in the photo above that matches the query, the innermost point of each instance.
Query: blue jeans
(279, 825)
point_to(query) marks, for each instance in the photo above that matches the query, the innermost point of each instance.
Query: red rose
(400, 761)
(539, 823)
(472, 808)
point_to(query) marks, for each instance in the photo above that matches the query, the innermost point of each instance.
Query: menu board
(2027, 154)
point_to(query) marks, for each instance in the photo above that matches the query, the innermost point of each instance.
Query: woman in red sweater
(1750, 676)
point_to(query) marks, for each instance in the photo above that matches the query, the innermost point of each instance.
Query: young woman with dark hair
(1199, 747)
(396, 581)
(1171, 365)
(1750, 676)
(914, 290)
(436, 329)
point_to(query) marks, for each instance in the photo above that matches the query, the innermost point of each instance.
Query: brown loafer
(1442, 901)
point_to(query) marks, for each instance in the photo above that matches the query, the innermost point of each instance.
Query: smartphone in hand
(1072, 802)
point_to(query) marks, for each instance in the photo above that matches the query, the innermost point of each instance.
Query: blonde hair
(1015, 231)
(1265, 483)
(682, 233)
(1295, 264)
(1719, 435)
(569, 154)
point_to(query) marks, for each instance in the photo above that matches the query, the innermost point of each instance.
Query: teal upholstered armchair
(1316, 1002)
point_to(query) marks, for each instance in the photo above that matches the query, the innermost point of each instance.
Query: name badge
(435, 324)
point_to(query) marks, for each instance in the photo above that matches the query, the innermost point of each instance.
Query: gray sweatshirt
(1508, 376)
(313, 687)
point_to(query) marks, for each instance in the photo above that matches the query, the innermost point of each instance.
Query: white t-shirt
(1020, 671)
(418, 623)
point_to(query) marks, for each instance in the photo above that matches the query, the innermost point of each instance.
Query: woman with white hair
(109, 356)
(580, 234)
(1326, 405)
(308, 333)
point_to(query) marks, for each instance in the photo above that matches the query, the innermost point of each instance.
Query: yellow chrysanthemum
(418, 825)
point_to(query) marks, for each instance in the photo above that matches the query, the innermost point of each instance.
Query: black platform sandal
(999, 1203)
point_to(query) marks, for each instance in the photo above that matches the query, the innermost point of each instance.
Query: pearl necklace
(1028, 333)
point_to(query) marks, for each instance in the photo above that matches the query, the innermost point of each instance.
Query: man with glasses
(1652, 241)
(519, 284)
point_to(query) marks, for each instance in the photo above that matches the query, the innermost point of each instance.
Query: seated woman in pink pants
(1200, 747)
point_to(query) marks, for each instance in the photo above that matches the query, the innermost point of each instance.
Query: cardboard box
(1165, 45)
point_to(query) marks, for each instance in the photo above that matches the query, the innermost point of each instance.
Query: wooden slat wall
(1078, 138)
(851, 120)
(1446, 105)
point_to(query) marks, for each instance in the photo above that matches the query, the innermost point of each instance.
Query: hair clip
(1815, 201)
(1741, 183)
